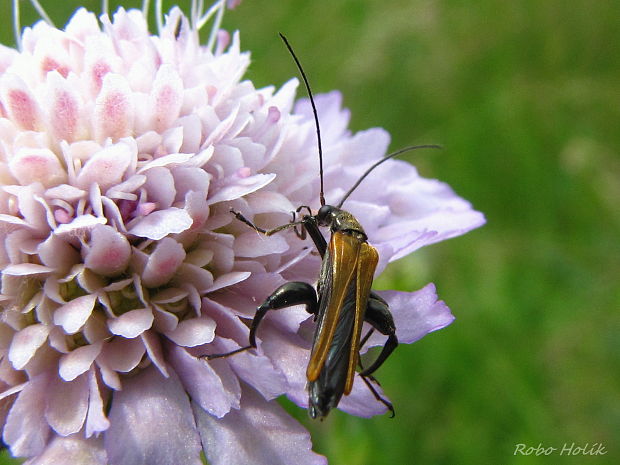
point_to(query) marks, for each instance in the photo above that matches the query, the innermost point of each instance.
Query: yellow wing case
(350, 259)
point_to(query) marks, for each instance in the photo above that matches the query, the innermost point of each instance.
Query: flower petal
(361, 402)
(77, 361)
(166, 97)
(25, 343)
(96, 420)
(19, 103)
(58, 254)
(26, 430)
(131, 324)
(211, 384)
(106, 167)
(109, 251)
(123, 354)
(152, 423)
(72, 315)
(67, 405)
(114, 110)
(65, 112)
(240, 187)
(415, 314)
(193, 332)
(73, 450)
(163, 262)
(262, 434)
(30, 165)
(159, 224)
(251, 244)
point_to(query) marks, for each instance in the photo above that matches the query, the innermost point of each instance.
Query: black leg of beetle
(359, 360)
(372, 389)
(301, 207)
(379, 316)
(287, 295)
(301, 232)
(365, 338)
(369, 379)
(312, 227)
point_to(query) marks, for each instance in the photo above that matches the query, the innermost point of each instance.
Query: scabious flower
(121, 155)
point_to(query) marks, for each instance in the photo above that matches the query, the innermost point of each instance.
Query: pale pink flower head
(121, 155)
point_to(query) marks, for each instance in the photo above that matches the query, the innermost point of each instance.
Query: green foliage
(525, 98)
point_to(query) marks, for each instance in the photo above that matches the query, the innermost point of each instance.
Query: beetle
(343, 298)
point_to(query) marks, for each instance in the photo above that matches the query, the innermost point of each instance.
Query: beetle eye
(324, 213)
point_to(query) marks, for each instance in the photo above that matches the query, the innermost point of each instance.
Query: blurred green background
(525, 98)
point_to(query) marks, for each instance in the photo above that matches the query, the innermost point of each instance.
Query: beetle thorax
(340, 220)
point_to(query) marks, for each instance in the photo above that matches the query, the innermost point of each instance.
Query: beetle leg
(266, 232)
(301, 232)
(369, 379)
(365, 338)
(287, 295)
(372, 389)
(379, 316)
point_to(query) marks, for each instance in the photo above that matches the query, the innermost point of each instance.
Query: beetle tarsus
(367, 380)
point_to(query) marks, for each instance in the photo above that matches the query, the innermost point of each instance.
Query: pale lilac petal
(109, 376)
(72, 315)
(19, 103)
(166, 97)
(37, 165)
(131, 324)
(252, 244)
(211, 384)
(262, 433)
(26, 431)
(25, 343)
(430, 229)
(289, 354)
(415, 314)
(109, 251)
(193, 332)
(153, 346)
(190, 179)
(78, 361)
(241, 187)
(171, 160)
(361, 402)
(229, 279)
(65, 108)
(159, 224)
(106, 167)
(80, 224)
(269, 201)
(196, 276)
(56, 253)
(163, 262)
(96, 420)
(114, 109)
(67, 405)
(25, 269)
(72, 450)
(152, 423)
(257, 370)
(123, 354)
(160, 187)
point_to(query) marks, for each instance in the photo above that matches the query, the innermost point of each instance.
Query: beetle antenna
(387, 157)
(314, 112)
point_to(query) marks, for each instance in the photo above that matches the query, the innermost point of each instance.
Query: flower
(121, 155)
